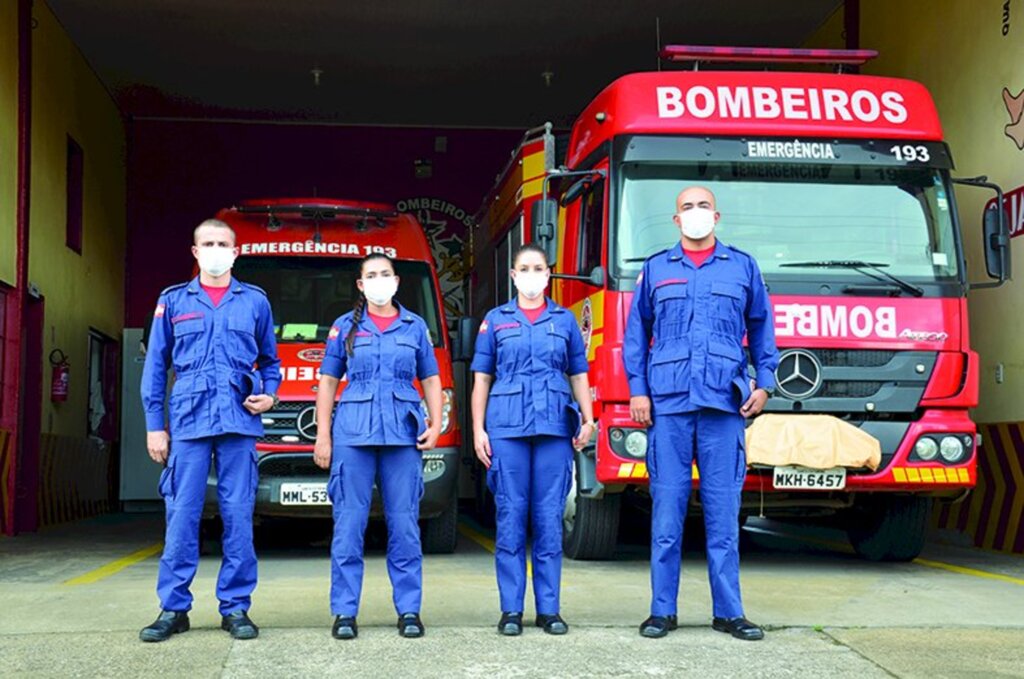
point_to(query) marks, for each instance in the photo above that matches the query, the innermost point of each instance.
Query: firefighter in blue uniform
(378, 433)
(688, 381)
(211, 331)
(525, 426)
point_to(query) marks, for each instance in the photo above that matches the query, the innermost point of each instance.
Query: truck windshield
(785, 215)
(308, 293)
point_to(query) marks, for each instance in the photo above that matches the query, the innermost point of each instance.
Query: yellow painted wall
(958, 51)
(8, 138)
(81, 291)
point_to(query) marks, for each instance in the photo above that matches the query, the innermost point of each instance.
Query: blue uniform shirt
(530, 395)
(380, 406)
(213, 350)
(683, 344)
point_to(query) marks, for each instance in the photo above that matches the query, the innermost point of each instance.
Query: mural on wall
(447, 227)
(1015, 107)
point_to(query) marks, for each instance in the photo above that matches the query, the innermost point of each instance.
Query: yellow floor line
(963, 570)
(116, 566)
(488, 544)
(941, 565)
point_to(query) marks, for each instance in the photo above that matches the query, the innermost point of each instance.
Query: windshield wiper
(876, 268)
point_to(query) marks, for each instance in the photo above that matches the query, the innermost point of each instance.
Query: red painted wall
(181, 172)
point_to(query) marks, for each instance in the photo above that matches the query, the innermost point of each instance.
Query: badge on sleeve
(640, 277)
(334, 332)
(483, 327)
(159, 311)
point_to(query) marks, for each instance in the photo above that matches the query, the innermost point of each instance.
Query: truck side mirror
(465, 335)
(597, 276)
(997, 243)
(544, 226)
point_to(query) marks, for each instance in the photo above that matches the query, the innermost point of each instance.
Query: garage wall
(8, 138)
(181, 172)
(971, 56)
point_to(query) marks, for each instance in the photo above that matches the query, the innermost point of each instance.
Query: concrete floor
(73, 598)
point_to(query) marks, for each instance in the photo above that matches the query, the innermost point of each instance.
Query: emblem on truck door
(798, 375)
(306, 423)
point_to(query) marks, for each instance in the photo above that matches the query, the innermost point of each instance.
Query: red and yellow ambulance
(305, 254)
(840, 186)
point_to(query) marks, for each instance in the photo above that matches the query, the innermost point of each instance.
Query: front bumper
(440, 475)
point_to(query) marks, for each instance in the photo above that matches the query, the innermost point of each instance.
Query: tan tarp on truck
(813, 441)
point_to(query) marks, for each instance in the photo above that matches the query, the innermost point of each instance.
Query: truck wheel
(440, 534)
(590, 528)
(890, 528)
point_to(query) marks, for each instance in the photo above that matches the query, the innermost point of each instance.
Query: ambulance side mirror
(465, 337)
(544, 226)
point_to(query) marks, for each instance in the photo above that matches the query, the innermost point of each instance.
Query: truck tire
(890, 528)
(590, 527)
(440, 534)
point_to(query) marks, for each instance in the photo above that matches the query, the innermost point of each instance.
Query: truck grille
(285, 418)
(856, 358)
(278, 465)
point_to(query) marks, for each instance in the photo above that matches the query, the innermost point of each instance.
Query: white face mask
(697, 223)
(380, 290)
(531, 283)
(216, 261)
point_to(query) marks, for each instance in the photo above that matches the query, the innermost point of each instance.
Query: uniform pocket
(741, 456)
(254, 480)
(188, 342)
(188, 398)
(335, 490)
(559, 396)
(505, 406)
(724, 365)
(355, 410)
(409, 414)
(405, 357)
(243, 337)
(669, 368)
(558, 345)
(166, 485)
(727, 301)
(673, 309)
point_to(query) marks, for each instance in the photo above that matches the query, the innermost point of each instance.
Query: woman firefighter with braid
(378, 432)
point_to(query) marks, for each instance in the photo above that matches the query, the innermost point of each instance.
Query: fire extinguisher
(60, 377)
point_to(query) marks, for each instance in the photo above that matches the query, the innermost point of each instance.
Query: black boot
(166, 624)
(239, 625)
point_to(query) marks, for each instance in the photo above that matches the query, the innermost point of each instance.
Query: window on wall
(591, 218)
(75, 179)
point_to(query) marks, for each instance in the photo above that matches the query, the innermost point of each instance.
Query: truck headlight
(951, 449)
(636, 443)
(926, 448)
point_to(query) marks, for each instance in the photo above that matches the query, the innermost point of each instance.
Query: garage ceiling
(443, 62)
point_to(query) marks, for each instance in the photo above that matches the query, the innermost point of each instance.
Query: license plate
(801, 478)
(304, 494)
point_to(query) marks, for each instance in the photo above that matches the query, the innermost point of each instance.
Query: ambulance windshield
(783, 215)
(308, 293)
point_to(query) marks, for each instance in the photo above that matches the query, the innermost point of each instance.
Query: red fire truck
(840, 186)
(305, 254)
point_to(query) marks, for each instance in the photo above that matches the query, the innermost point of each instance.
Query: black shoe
(166, 624)
(511, 624)
(552, 624)
(239, 625)
(410, 626)
(658, 626)
(741, 628)
(345, 628)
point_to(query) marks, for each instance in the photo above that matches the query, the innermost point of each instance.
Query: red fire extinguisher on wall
(60, 377)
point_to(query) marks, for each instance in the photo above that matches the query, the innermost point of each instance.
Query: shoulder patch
(333, 333)
(483, 327)
(160, 310)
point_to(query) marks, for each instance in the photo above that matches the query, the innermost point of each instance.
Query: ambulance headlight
(926, 448)
(636, 443)
(951, 449)
(447, 408)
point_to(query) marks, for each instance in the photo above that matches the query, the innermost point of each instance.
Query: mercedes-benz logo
(306, 423)
(798, 375)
